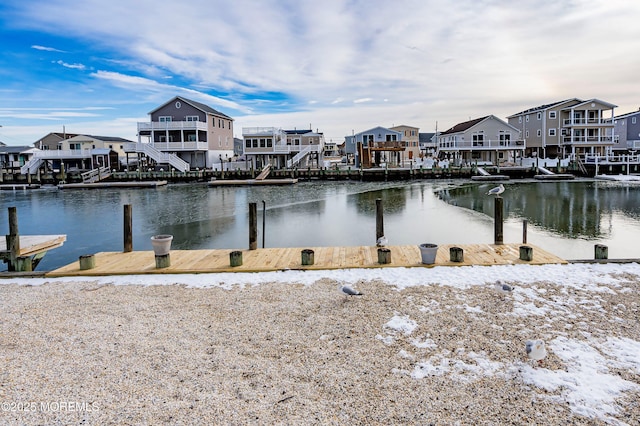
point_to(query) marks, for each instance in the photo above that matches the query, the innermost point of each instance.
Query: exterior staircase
(158, 156)
(302, 154)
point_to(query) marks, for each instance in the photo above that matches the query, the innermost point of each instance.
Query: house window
(191, 137)
(539, 116)
(269, 143)
(478, 139)
(505, 138)
(165, 118)
(552, 115)
(74, 146)
(391, 138)
(163, 138)
(539, 133)
(552, 132)
(520, 119)
(263, 143)
(633, 120)
(527, 134)
(527, 118)
(191, 118)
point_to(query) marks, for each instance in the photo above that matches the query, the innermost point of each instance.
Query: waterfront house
(14, 157)
(52, 141)
(627, 131)
(185, 134)
(375, 147)
(428, 143)
(90, 142)
(410, 140)
(484, 140)
(281, 148)
(571, 127)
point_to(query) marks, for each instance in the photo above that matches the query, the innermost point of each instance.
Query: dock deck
(276, 259)
(34, 244)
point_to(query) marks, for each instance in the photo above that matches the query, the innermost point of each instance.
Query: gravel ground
(82, 353)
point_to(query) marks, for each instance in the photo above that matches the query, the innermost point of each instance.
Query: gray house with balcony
(627, 131)
(572, 127)
(484, 140)
(182, 131)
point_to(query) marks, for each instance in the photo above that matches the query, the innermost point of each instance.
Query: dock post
(601, 252)
(524, 231)
(264, 214)
(163, 260)
(23, 264)
(379, 219)
(253, 226)
(13, 239)
(87, 261)
(384, 256)
(128, 229)
(526, 253)
(235, 258)
(307, 257)
(456, 254)
(499, 221)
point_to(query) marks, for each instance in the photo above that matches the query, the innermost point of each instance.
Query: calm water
(566, 218)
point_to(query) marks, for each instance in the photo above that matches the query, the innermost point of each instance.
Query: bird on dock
(382, 241)
(497, 190)
(348, 290)
(535, 350)
(502, 287)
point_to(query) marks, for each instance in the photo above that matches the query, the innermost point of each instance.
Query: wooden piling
(384, 256)
(235, 258)
(87, 261)
(498, 221)
(128, 229)
(601, 252)
(13, 239)
(23, 264)
(163, 260)
(253, 226)
(524, 231)
(379, 219)
(526, 253)
(307, 257)
(456, 254)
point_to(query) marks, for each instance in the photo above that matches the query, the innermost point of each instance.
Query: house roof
(377, 129)
(8, 149)
(628, 114)
(198, 105)
(425, 137)
(543, 107)
(461, 127)
(98, 138)
(298, 131)
(607, 104)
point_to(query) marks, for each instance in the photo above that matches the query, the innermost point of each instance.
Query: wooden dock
(277, 259)
(110, 184)
(239, 182)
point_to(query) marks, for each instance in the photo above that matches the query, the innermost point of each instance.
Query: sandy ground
(82, 353)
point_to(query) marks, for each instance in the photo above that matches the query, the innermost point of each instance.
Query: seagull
(348, 291)
(503, 288)
(497, 190)
(536, 350)
(382, 241)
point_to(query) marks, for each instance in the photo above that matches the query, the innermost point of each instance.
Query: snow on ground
(596, 373)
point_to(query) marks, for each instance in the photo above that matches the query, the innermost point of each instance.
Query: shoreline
(441, 346)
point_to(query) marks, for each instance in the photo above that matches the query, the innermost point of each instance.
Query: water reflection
(565, 217)
(572, 209)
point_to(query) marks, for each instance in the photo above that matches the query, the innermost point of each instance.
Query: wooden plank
(33, 244)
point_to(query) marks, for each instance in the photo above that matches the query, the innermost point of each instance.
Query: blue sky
(97, 67)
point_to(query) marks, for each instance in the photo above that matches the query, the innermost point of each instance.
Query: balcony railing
(573, 140)
(587, 122)
(171, 125)
(482, 145)
(180, 146)
(384, 145)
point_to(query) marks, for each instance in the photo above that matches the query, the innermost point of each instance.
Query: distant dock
(110, 184)
(240, 182)
(278, 259)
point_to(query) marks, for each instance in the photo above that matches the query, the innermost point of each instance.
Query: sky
(335, 66)
(588, 382)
